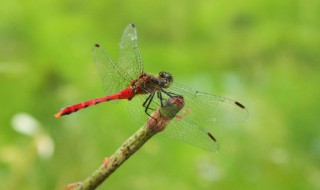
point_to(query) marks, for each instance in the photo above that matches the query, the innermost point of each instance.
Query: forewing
(208, 110)
(179, 128)
(130, 60)
(111, 76)
(195, 123)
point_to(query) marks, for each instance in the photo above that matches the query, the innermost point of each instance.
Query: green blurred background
(264, 54)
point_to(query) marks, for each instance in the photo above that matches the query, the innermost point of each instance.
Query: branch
(159, 120)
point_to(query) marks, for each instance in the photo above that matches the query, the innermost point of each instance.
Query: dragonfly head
(166, 79)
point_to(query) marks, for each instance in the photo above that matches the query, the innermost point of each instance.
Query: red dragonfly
(146, 92)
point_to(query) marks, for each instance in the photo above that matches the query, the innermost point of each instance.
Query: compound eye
(162, 74)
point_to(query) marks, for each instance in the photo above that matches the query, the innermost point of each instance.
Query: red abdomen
(127, 93)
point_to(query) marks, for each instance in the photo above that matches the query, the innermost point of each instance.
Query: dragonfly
(126, 79)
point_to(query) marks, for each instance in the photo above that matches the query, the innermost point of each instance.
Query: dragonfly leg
(159, 95)
(147, 103)
(147, 100)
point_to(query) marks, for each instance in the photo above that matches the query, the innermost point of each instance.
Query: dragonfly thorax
(147, 83)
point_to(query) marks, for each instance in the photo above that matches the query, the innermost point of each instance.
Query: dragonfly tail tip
(57, 115)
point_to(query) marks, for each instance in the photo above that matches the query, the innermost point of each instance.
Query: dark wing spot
(240, 105)
(212, 137)
(132, 25)
(97, 45)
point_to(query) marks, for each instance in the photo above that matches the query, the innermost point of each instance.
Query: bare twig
(159, 120)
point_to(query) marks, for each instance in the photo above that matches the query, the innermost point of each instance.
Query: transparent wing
(137, 110)
(116, 77)
(195, 123)
(191, 133)
(112, 78)
(208, 110)
(130, 60)
(180, 128)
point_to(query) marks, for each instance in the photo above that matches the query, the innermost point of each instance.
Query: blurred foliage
(262, 53)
